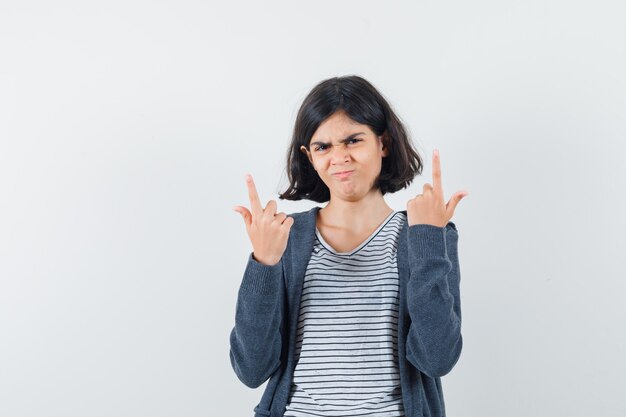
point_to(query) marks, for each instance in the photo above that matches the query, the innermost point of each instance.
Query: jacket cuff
(261, 279)
(427, 241)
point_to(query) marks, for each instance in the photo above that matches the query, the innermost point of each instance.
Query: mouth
(342, 174)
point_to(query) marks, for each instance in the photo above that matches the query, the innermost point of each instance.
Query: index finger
(255, 203)
(437, 171)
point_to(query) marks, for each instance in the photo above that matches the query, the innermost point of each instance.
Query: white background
(126, 129)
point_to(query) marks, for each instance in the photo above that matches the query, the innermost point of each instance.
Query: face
(341, 144)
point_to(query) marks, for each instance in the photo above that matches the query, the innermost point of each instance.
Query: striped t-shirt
(346, 342)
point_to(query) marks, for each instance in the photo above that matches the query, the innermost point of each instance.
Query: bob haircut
(364, 104)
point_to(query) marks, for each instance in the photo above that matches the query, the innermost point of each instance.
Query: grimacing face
(340, 144)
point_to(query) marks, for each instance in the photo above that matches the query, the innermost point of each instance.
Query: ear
(305, 151)
(383, 141)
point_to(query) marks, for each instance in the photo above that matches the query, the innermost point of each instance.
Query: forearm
(434, 342)
(255, 340)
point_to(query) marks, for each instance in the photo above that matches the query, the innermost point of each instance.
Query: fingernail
(248, 177)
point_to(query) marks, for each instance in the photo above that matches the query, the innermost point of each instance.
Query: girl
(352, 309)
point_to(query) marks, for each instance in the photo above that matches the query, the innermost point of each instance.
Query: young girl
(352, 309)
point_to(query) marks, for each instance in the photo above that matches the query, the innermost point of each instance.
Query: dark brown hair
(364, 104)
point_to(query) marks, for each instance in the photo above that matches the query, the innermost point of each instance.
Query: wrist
(265, 261)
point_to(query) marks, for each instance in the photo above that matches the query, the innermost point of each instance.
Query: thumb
(245, 214)
(454, 200)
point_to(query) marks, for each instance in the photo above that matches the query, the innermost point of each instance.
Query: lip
(343, 174)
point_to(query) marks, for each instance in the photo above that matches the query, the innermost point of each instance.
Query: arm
(434, 342)
(255, 341)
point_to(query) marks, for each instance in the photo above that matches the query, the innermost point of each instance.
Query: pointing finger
(437, 172)
(255, 203)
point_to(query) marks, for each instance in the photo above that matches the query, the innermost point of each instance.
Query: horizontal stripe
(346, 341)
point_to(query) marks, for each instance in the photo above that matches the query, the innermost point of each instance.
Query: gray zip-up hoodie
(263, 340)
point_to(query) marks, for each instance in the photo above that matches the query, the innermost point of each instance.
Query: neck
(357, 215)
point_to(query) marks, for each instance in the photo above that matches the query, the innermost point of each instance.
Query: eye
(351, 141)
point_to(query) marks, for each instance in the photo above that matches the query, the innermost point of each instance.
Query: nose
(341, 155)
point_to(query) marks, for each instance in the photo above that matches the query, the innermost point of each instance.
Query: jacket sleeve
(434, 342)
(255, 340)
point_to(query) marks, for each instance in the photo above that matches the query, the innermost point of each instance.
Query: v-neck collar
(368, 239)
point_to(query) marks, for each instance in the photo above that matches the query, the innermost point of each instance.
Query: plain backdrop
(126, 129)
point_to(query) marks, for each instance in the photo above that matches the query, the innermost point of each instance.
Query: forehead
(337, 127)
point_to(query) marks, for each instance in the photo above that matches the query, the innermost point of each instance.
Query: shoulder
(305, 215)
(304, 222)
(298, 214)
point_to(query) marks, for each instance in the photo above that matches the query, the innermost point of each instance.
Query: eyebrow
(342, 141)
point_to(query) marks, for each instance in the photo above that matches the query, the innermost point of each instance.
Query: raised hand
(429, 207)
(268, 230)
